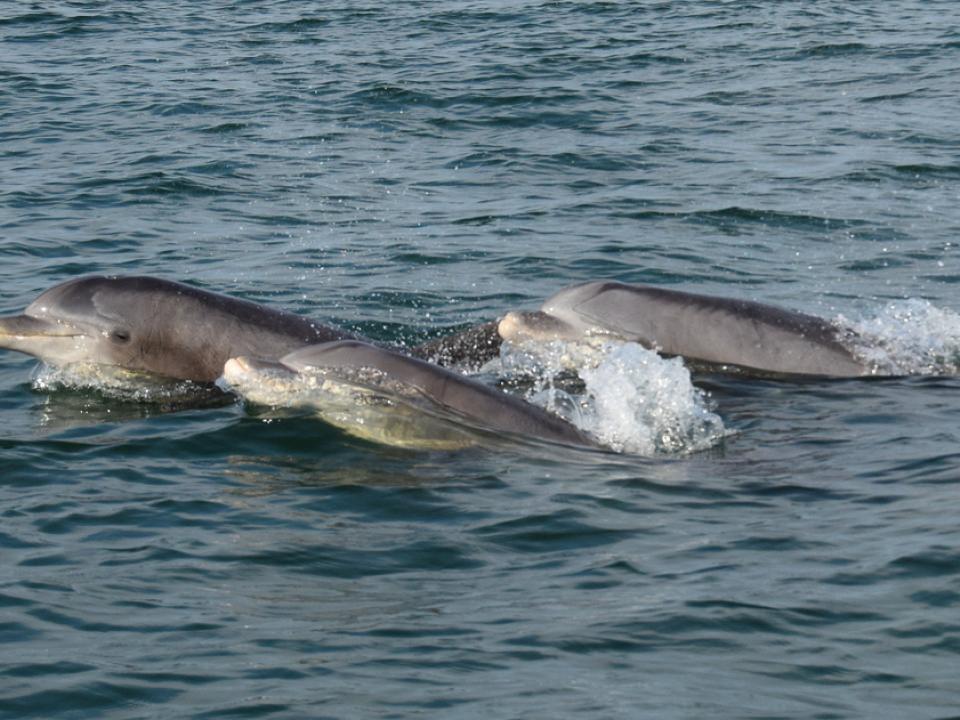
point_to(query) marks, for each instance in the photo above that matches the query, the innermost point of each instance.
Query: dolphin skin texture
(413, 395)
(717, 332)
(154, 325)
(175, 330)
(179, 331)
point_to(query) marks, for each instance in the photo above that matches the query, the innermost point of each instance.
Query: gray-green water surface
(402, 169)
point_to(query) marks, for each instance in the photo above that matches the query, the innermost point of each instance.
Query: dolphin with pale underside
(156, 326)
(389, 397)
(721, 333)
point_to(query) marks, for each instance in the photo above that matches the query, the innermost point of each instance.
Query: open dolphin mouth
(24, 326)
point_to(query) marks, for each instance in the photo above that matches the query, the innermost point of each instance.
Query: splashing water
(633, 400)
(907, 337)
(125, 385)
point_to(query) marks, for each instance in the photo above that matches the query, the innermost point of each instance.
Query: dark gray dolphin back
(180, 330)
(474, 401)
(472, 347)
(711, 329)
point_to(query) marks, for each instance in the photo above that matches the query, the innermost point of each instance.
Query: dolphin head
(65, 325)
(593, 311)
(138, 323)
(520, 326)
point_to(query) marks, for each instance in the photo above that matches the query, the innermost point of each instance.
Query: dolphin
(720, 333)
(157, 326)
(386, 396)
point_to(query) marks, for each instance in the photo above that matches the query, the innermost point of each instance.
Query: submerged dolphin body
(716, 331)
(155, 326)
(388, 397)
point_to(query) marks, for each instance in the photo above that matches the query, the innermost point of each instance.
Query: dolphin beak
(252, 378)
(526, 326)
(24, 333)
(236, 369)
(53, 342)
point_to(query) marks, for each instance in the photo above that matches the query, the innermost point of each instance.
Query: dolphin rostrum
(718, 332)
(383, 395)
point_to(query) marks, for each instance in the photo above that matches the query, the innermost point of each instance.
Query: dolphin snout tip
(509, 327)
(242, 366)
(235, 368)
(26, 326)
(534, 326)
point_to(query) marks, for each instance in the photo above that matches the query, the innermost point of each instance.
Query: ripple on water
(406, 168)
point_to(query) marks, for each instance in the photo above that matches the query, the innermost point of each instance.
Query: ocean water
(408, 169)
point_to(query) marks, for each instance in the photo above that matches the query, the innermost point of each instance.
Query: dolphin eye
(120, 335)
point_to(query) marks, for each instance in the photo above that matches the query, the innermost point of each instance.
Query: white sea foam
(120, 384)
(907, 337)
(632, 400)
